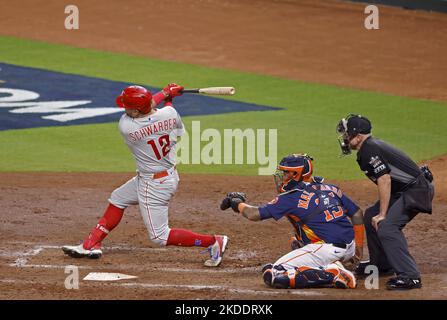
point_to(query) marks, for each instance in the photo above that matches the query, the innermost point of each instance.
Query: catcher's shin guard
(284, 280)
(309, 277)
(299, 278)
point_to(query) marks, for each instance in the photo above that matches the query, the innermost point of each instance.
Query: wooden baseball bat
(226, 91)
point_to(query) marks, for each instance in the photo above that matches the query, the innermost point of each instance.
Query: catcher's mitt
(232, 200)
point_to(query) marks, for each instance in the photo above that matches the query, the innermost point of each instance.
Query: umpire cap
(357, 124)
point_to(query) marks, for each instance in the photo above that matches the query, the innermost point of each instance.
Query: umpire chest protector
(377, 158)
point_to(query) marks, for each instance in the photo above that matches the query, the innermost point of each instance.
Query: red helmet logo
(135, 97)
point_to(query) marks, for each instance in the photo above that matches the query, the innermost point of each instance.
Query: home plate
(107, 276)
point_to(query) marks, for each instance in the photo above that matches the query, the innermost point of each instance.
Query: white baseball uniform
(152, 141)
(316, 255)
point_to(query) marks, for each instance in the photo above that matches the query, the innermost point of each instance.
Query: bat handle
(190, 91)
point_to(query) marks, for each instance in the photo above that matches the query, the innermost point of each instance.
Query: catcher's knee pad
(267, 274)
(277, 277)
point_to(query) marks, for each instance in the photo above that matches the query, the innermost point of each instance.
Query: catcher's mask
(348, 128)
(135, 97)
(292, 170)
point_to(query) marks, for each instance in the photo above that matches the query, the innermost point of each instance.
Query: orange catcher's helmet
(135, 97)
(292, 170)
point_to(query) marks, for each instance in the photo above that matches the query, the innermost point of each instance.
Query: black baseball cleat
(400, 283)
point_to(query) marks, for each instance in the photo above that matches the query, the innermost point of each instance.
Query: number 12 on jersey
(164, 144)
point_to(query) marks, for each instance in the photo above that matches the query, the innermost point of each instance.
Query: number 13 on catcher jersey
(152, 139)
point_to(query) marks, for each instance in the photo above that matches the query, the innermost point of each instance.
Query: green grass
(306, 125)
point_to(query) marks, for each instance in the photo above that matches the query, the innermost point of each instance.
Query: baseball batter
(319, 213)
(151, 135)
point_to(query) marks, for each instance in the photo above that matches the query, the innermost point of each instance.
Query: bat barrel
(212, 90)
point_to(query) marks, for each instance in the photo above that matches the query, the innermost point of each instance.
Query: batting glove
(173, 90)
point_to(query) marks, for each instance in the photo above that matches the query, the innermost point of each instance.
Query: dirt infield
(41, 212)
(316, 41)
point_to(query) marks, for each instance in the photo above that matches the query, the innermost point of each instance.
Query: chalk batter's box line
(137, 268)
(56, 246)
(107, 248)
(22, 262)
(196, 287)
(39, 248)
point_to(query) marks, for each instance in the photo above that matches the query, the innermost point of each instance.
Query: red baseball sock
(107, 223)
(186, 238)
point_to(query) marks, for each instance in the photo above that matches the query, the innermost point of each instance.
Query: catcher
(319, 214)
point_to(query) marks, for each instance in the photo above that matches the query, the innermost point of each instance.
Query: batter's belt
(162, 174)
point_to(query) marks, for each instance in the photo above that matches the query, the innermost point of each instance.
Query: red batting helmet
(135, 97)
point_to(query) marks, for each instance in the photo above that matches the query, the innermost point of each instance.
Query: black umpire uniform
(411, 192)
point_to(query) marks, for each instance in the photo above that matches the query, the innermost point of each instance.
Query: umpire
(404, 191)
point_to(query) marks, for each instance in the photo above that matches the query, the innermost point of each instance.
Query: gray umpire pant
(388, 247)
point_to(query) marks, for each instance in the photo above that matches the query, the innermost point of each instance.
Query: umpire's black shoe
(400, 283)
(360, 270)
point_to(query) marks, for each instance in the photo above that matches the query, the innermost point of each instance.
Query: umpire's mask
(350, 127)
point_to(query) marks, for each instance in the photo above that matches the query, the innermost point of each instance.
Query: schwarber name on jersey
(319, 213)
(152, 139)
